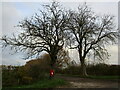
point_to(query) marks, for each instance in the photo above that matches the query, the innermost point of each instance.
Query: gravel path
(76, 82)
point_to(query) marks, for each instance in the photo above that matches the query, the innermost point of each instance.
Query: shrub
(98, 69)
(9, 78)
(27, 80)
(37, 68)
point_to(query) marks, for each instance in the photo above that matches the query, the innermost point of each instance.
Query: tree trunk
(53, 60)
(83, 68)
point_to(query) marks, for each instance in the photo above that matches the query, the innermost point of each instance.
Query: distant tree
(90, 34)
(42, 32)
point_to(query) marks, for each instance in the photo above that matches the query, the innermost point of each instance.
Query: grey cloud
(10, 18)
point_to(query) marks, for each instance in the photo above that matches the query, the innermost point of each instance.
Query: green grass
(46, 83)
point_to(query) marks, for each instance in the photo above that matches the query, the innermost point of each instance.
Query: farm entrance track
(76, 82)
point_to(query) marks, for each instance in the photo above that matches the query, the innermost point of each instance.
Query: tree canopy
(42, 32)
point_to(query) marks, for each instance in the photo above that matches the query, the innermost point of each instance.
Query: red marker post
(51, 73)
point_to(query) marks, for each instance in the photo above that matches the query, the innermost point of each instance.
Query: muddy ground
(76, 82)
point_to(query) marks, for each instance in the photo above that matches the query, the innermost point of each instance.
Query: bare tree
(90, 34)
(41, 32)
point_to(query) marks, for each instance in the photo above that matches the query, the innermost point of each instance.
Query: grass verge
(46, 83)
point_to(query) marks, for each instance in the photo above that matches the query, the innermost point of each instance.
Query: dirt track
(76, 82)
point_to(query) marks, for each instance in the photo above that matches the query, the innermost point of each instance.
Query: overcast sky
(13, 12)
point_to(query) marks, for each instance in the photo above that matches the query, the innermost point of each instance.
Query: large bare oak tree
(90, 34)
(41, 32)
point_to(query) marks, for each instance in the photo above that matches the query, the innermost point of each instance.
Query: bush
(98, 69)
(9, 78)
(37, 69)
(27, 80)
(74, 70)
(19, 75)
